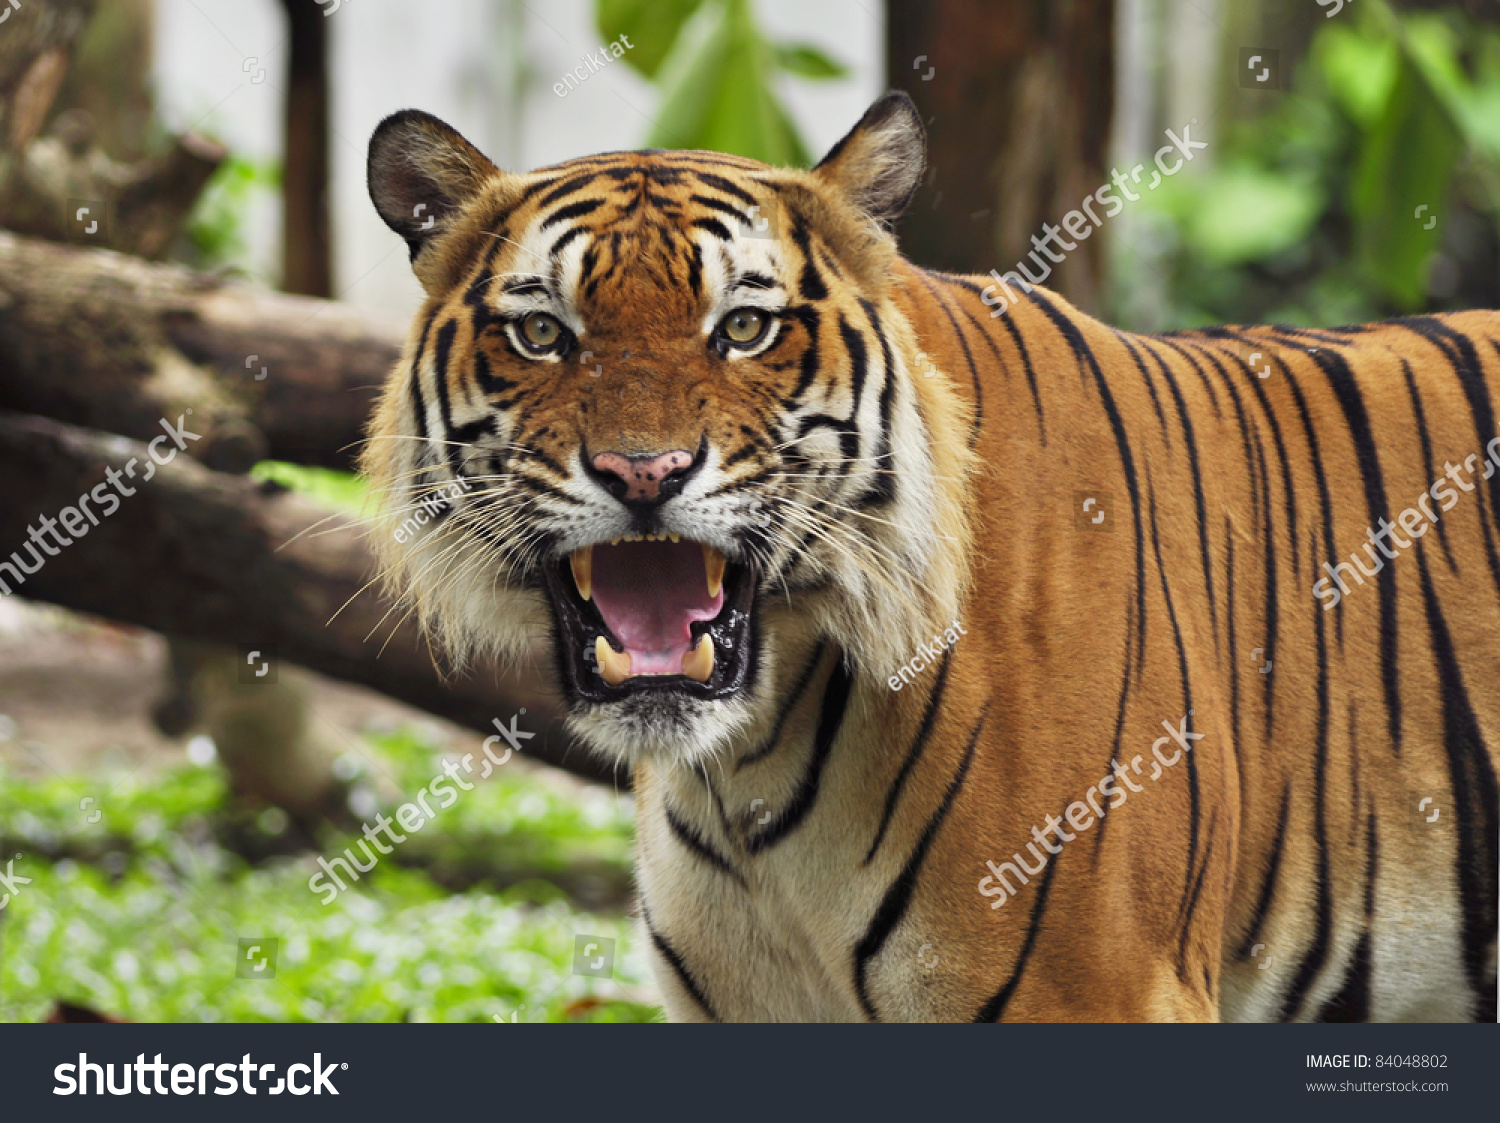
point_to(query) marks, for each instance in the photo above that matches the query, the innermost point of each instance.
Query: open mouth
(652, 613)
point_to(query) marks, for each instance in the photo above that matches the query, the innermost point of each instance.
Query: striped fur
(896, 459)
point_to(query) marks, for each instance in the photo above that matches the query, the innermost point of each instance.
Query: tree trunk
(1017, 96)
(111, 342)
(208, 556)
(306, 253)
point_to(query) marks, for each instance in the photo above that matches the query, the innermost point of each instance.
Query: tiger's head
(665, 407)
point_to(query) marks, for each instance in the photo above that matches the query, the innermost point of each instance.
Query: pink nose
(642, 476)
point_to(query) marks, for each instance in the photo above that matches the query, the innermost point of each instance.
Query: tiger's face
(658, 406)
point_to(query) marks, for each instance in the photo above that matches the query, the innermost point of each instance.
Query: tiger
(971, 660)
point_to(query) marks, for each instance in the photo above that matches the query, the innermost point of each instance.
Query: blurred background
(203, 705)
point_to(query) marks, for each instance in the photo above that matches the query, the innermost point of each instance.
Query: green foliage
(214, 232)
(343, 490)
(1331, 206)
(139, 913)
(158, 945)
(717, 74)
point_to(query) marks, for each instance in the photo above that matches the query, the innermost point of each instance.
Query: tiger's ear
(879, 163)
(421, 173)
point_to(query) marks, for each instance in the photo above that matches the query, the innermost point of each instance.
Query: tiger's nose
(644, 479)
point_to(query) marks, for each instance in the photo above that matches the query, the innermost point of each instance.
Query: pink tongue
(649, 593)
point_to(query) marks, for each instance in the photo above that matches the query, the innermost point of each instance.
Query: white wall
(485, 66)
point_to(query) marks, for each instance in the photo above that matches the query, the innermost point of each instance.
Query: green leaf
(1246, 213)
(650, 27)
(716, 90)
(1360, 71)
(1401, 186)
(807, 61)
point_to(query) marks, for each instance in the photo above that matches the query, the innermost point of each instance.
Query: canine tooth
(614, 666)
(582, 562)
(674, 537)
(614, 541)
(698, 664)
(714, 562)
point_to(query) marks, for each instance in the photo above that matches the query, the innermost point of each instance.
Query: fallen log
(209, 556)
(109, 341)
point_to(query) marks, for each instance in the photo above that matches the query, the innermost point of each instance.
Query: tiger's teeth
(582, 562)
(714, 563)
(675, 537)
(698, 664)
(614, 541)
(614, 666)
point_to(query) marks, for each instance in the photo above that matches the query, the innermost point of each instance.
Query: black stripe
(1082, 354)
(811, 283)
(572, 210)
(1317, 952)
(993, 1010)
(1234, 659)
(1325, 502)
(1346, 390)
(924, 731)
(1427, 459)
(883, 490)
(679, 968)
(830, 718)
(1185, 929)
(1208, 387)
(418, 404)
(1476, 806)
(1458, 349)
(765, 748)
(1276, 438)
(699, 845)
(1195, 809)
(968, 358)
(1352, 1002)
(1199, 499)
(721, 206)
(714, 227)
(1268, 887)
(729, 187)
(562, 242)
(567, 187)
(898, 895)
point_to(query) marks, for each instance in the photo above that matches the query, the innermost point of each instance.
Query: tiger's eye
(540, 329)
(744, 325)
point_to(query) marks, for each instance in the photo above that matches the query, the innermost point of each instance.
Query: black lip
(735, 633)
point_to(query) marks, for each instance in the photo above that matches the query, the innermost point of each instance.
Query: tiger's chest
(746, 926)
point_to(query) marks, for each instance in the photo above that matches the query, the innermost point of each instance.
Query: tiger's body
(995, 572)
